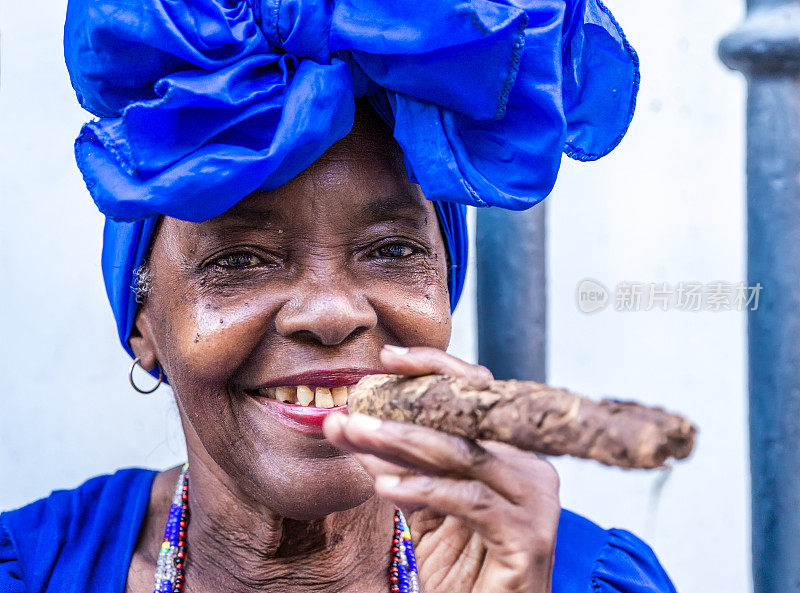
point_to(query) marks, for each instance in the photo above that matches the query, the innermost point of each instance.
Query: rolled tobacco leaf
(530, 416)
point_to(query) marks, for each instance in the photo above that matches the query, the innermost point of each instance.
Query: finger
(333, 429)
(431, 361)
(414, 447)
(478, 506)
(520, 476)
(376, 466)
(535, 475)
(515, 457)
(427, 451)
(511, 454)
(521, 460)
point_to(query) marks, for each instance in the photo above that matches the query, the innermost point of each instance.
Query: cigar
(531, 416)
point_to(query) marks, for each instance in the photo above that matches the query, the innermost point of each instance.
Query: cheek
(209, 339)
(418, 314)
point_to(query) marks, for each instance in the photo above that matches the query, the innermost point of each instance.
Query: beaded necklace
(170, 570)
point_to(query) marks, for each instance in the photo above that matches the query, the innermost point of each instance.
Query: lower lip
(305, 419)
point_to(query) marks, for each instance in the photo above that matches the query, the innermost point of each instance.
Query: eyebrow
(247, 217)
(403, 206)
(400, 206)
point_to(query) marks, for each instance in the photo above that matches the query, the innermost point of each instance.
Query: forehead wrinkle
(248, 217)
(406, 206)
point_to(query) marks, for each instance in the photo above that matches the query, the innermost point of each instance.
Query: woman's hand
(483, 517)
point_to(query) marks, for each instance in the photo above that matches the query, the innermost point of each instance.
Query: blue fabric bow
(201, 102)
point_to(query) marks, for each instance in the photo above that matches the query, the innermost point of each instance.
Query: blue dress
(82, 541)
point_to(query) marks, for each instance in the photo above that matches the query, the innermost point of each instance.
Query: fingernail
(364, 422)
(387, 481)
(399, 350)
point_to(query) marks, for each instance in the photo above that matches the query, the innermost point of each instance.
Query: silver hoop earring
(139, 389)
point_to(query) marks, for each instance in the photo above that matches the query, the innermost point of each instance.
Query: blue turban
(202, 102)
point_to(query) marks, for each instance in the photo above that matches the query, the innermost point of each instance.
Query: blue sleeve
(10, 569)
(627, 565)
(590, 559)
(75, 541)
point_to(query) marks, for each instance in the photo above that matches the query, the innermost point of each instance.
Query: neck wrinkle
(252, 549)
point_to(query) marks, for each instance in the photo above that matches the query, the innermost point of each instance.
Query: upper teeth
(340, 395)
(305, 395)
(321, 397)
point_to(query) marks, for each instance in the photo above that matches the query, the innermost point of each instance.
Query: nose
(329, 314)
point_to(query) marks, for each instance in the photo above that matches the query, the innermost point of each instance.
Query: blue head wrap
(202, 102)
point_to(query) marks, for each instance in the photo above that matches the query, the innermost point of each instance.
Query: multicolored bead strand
(172, 555)
(403, 576)
(170, 570)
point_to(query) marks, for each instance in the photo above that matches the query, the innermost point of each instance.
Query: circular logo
(592, 296)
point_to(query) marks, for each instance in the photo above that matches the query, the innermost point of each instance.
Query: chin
(321, 504)
(313, 488)
(320, 507)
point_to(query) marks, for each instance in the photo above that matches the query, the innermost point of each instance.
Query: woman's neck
(235, 544)
(261, 551)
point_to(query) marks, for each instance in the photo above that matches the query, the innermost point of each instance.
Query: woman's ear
(141, 340)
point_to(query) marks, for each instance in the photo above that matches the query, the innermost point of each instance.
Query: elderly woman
(284, 185)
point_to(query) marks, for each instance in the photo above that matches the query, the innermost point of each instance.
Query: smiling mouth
(306, 395)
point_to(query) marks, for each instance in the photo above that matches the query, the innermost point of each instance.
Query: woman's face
(302, 285)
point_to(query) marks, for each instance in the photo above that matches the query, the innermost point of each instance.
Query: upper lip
(319, 378)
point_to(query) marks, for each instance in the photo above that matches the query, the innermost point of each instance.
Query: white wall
(667, 206)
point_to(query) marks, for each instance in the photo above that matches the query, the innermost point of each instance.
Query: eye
(394, 250)
(238, 260)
